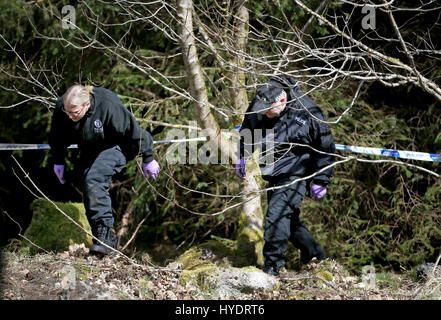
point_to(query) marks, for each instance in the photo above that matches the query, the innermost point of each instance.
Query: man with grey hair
(108, 136)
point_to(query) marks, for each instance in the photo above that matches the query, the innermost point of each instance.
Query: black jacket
(294, 125)
(106, 124)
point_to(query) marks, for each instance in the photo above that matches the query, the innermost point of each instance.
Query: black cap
(266, 95)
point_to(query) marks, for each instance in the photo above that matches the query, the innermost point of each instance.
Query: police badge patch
(300, 121)
(97, 126)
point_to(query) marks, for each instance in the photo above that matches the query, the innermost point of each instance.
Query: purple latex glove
(59, 172)
(240, 168)
(317, 191)
(151, 169)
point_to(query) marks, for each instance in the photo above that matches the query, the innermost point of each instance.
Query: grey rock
(236, 282)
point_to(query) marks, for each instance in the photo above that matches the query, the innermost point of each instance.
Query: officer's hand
(151, 169)
(240, 168)
(317, 191)
(59, 172)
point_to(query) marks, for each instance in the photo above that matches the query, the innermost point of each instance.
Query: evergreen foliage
(382, 214)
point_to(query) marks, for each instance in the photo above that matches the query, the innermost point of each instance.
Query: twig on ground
(22, 236)
(311, 278)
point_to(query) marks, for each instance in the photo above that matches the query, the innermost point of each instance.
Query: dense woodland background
(379, 213)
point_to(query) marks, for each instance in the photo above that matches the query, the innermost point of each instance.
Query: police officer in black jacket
(288, 127)
(108, 136)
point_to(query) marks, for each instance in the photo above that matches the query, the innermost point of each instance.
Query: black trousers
(97, 177)
(283, 224)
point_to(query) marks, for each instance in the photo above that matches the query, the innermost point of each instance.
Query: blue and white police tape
(31, 146)
(28, 146)
(413, 155)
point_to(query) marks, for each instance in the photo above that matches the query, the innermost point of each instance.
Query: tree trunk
(250, 237)
(195, 77)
